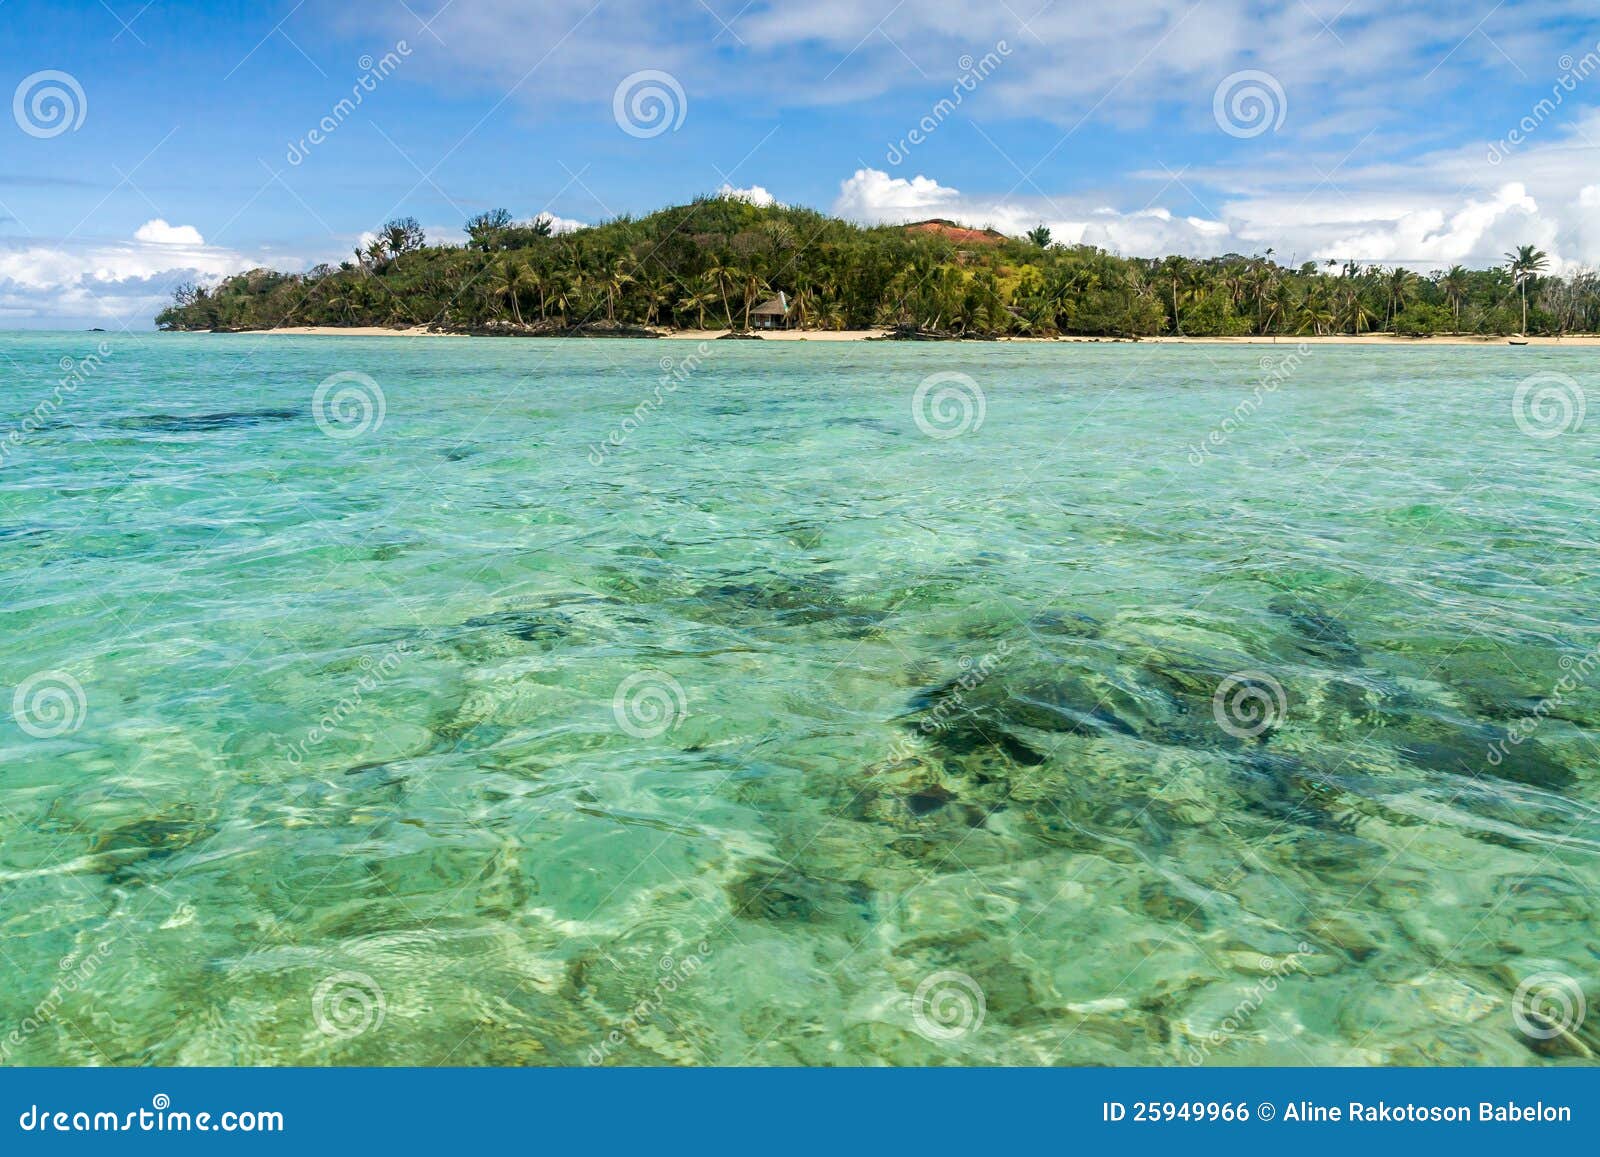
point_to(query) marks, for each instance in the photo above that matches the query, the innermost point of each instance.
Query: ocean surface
(385, 701)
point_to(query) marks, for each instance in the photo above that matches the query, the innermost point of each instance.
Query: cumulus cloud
(1439, 209)
(125, 282)
(874, 197)
(158, 232)
(1366, 86)
(755, 194)
(559, 225)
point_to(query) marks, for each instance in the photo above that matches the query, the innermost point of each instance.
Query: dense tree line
(707, 264)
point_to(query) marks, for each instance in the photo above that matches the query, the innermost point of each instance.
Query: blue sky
(1383, 129)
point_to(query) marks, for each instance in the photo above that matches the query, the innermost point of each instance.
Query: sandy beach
(819, 335)
(355, 331)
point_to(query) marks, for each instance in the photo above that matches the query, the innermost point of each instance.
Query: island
(727, 265)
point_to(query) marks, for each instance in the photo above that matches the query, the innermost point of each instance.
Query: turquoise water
(789, 730)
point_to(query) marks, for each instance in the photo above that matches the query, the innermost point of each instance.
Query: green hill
(706, 264)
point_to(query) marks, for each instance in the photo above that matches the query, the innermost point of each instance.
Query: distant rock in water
(1287, 790)
(1013, 710)
(1487, 751)
(122, 851)
(1316, 631)
(783, 893)
(201, 423)
(766, 599)
(545, 627)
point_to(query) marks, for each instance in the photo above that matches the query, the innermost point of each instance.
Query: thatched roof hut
(772, 314)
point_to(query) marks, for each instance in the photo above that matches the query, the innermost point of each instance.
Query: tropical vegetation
(705, 265)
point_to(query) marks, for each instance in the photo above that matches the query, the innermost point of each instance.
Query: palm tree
(754, 286)
(1315, 315)
(1280, 305)
(539, 282)
(402, 235)
(509, 277)
(724, 274)
(564, 292)
(696, 297)
(804, 306)
(1455, 283)
(1172, 272)
(614, 279)
(1402, 286)
(1525, 265)
(1356, 311)
(656, 293)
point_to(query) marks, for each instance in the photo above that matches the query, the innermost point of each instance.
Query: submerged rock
(969, 736)
(929, 799)
(200, 423)
(1476, 751)
(1070, 706)
(1316, 631)
(1072, 624)
(121, 850)
(782, 601)
(1290, 791)
(783, 893)
(546, 627)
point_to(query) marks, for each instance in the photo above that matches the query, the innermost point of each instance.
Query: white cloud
(158, 232)
(755, 194)
(1365, 82)
(1442, 208)
(1426, 233)
(126, 282)
(1346, 67)
(560, 225)
(874, 196)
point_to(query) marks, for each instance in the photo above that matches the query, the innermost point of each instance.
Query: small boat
(1516, 341)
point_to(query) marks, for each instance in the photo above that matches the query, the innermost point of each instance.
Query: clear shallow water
(906, 722)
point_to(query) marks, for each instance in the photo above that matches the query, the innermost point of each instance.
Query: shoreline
(791, 335)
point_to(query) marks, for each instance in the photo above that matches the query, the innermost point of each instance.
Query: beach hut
(772, 314)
